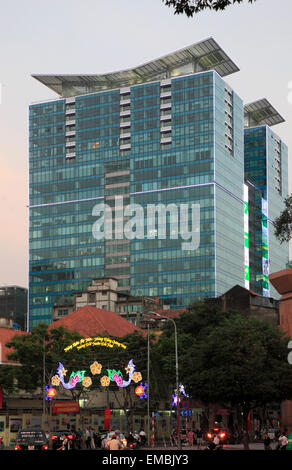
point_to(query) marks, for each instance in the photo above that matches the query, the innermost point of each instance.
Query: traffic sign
(188, 412)
(185, 405)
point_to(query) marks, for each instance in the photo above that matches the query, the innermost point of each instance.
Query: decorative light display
(182, 391)
(174, 400)
(86, 382)
(137, 377)
(113, 375)
(140, 390)
(118, 379)
(56, 380)
(74, 379)
(130, 369)
(95, 368)
(105, 381)
(97, 341)
(51, 393)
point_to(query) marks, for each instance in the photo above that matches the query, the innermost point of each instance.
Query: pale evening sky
(99, 36)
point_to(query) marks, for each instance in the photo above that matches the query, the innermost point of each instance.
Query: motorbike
(134, 441)
(143, 440)
(213, 446)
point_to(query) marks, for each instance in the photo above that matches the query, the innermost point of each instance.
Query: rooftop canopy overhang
(201, 56)
(261, 113)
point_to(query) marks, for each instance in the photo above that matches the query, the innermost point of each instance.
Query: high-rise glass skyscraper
(266, 165)
(168, 134)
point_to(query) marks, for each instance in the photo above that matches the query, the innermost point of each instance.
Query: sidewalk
(252, 446)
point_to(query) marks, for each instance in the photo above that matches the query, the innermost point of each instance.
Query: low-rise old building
(103, 294)
(248, 303)
(13, 306)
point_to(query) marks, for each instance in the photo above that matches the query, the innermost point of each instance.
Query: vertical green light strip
(265, 249)
(246, 238)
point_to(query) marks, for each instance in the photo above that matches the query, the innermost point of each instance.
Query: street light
(176, 370)
(148, 383)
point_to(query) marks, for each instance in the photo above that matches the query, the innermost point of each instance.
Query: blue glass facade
(170, 142)
(266, 165)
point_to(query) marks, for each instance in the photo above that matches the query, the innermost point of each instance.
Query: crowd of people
(191, 437)
(281, 441)
(89, 439)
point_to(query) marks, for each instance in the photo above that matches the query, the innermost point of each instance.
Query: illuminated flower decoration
(74, 380)
(87, 382)
(128, 369)
(95, 368)
(56, 380)
(118, 379)
(137, 377)
(141, 390)
(105, 381)
(174, 400)
(63, 371)
(51, 393)
(182, 391)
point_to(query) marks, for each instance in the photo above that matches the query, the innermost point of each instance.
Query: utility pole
(107, 390)
(176, 373)
(44, 380)
(148, 382)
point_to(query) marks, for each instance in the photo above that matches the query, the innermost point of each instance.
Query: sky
(99, 36)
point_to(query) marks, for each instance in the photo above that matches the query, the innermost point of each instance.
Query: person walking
(65, 443)
(142, 435)
(284, 442)
(87, 438)
(199, 436)
(114, 443)
(267, 442)
(279, 445)
(190, 437)
(216, 441)
(92, 443)
(48, 438)
(79, 438)
(173, 438)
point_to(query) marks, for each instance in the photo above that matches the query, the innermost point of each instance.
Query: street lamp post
(44, 380)
(148, 385)
(176, 374)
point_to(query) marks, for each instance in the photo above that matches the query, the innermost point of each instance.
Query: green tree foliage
(44, 348)
(192, 328)
(224, 357)
(30, 350)
(243, 362)
(283, 223)
(191, 7)
(228, 358)
(7, 374)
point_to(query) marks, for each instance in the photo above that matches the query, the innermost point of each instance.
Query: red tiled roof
(90, 321)
(172, 312)
(6, 334)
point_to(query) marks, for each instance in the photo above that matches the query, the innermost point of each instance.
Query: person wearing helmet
(114, 443)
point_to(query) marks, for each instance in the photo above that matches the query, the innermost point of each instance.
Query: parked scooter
(215, 444)
(142, 436)
(134, 441)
